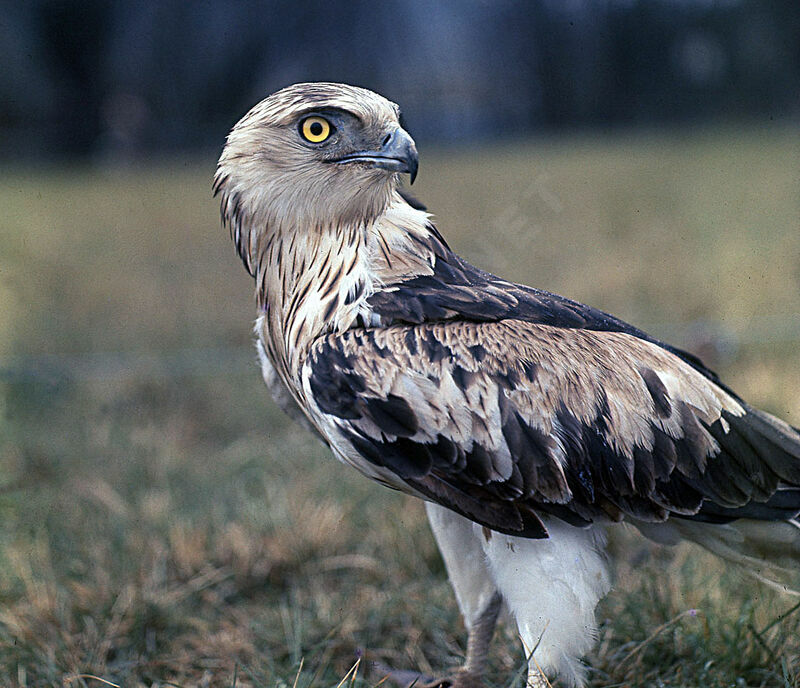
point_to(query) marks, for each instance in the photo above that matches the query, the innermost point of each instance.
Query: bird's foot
(459, 679)
(413, 679)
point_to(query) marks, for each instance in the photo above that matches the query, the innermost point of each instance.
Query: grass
(162, 524)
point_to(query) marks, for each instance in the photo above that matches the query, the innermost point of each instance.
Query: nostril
(386, 139)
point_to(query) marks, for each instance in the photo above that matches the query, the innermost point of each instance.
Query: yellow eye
(315, 129)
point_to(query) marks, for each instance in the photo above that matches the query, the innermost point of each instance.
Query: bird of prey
(529, 423)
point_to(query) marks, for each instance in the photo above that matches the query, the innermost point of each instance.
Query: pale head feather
(270, 180)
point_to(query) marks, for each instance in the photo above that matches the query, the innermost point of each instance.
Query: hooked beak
(398, 153)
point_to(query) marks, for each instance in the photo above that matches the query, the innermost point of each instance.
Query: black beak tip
(402, 146)
(412, 171)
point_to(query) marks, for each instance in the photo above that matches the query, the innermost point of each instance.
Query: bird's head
(314, 155)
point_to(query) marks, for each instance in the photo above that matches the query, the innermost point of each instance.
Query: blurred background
(125, 79)
(161, 523)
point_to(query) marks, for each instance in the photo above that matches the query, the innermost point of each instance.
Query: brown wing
(502, 420)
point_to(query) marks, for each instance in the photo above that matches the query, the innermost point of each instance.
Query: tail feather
(782, 505)
(768, 550)
(777, 443)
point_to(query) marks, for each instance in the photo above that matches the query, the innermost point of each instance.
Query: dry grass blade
(382, 681)
(663, 627)
(92, 677)
(299, 671)
(352, 670)
(780, 618)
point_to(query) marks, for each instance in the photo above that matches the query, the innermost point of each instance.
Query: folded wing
(503, 420)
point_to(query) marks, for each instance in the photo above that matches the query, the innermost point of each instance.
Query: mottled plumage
(529, 422)
(501, 421)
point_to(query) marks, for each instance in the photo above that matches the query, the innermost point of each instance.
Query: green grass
(161, 523)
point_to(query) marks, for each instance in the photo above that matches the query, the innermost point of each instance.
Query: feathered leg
(551, 587)
(475, 591)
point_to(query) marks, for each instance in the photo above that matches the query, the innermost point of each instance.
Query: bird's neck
(313, 282)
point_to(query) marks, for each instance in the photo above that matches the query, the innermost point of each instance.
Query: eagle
(529, 423)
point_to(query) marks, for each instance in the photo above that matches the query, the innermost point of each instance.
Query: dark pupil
(315, 128)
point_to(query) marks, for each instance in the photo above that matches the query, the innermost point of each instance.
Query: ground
(161, 523)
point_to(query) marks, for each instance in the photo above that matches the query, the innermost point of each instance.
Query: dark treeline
(126, 78)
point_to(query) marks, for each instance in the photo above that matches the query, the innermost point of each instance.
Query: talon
(404, 678)
(460, 679)
(437, 683)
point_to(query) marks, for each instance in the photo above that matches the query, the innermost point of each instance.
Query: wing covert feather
(503, 420)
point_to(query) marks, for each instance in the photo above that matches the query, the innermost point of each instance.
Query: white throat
(312, 283)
